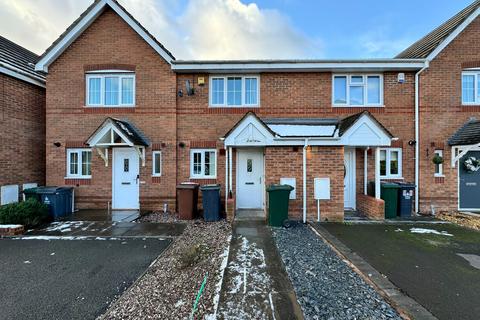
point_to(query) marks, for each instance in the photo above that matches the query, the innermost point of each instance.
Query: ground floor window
(438, 165)
(203, 163)
(391, 163)
(157, 164)
(79, 163)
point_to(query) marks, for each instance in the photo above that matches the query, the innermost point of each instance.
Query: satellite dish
(190, 90)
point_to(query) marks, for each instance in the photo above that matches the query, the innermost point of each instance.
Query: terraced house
(126, 122)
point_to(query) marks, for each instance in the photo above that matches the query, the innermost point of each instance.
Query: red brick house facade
(126, 122)
(22, 121)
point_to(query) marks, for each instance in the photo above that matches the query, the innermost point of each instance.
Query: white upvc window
(235, 91)
(203, 163)
(112, 89)
(157, 164)
(470, 87)
(357, 90)
(391, 163)
(79, 163)
(438, 167)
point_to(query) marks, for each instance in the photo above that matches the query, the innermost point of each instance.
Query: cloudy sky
(239, 29)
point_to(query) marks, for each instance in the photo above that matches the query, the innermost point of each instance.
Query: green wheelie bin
(389, 194)
(278, 199)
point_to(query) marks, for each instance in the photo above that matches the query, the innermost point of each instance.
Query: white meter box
(322, 188)
(291, 182)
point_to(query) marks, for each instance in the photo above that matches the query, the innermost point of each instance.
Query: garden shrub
(29, 213)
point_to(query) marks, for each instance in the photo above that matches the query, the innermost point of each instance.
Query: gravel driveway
(326, 287)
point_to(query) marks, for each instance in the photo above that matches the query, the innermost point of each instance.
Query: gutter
(417, 134)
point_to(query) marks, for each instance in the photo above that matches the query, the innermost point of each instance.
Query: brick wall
(322, 162)
(22, 131)
(371, 207)
(442, 114)
(109, 42)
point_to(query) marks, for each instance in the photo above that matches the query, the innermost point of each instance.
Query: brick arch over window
(109, 66)
(471, 64)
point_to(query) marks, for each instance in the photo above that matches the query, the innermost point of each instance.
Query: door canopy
(117, 133)
(361, 129)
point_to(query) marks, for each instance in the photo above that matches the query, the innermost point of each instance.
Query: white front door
(250, 184)
(349, 178)
(126, 182)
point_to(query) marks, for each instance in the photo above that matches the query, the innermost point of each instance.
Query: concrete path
(255, 284)
(107, 229)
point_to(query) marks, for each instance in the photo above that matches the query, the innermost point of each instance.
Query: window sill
(354, 106)
(234, 107)
(79, 178)
(439, 175)
(391, 178)
(204, 178)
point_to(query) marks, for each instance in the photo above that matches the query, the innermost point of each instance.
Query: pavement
(437, 265)
(62, 279)
(255, 284)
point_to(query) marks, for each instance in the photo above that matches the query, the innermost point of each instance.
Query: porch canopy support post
(365, 171)
(459, 152)
(377, 173)
(103, 154)
(226, 179)
(230, 169)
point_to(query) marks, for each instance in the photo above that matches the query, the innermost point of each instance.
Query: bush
(29, 213)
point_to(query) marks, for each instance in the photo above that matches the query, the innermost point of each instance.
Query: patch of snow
(52, 254)
(8, 226)
(218, 285)
(27, 262)
(64, 226)
(430, 231)
(299, 130)
(179, 303)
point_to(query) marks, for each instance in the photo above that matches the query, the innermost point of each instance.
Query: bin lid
(279, 187)
(390, 185)
(188, 185)
(406, 185)
(47, 190)
(30, 190)
(210, 187)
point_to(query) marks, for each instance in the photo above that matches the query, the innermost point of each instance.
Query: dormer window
(110, 89)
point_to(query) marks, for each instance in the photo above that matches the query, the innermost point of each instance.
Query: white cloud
(205, 29)
(379, 43)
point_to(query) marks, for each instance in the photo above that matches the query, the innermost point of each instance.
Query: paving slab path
(255, 284)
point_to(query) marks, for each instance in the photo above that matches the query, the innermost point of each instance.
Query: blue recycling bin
(58, 199)
(406, 194)
(211, 202)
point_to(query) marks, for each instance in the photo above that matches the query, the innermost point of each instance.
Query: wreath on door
(472, 164)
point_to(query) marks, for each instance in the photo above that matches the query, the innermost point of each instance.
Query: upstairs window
(470, 81)
(110, 89)
(357, 90)
(79, 163)
(234, 91)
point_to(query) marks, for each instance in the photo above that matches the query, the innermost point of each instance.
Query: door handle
(138, 177)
